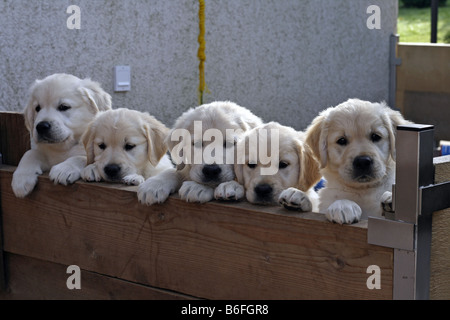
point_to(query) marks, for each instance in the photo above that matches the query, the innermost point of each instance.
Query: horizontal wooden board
(30, 278)
(215, 250)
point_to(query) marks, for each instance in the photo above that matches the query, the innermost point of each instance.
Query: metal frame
(415, 198)
(393, 63)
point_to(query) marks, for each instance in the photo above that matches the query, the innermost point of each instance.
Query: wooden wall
(423, 90)
(175, 250)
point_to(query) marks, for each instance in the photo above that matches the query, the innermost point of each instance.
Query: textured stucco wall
(284, 59)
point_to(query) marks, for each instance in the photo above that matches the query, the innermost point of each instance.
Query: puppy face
(297, 166)
(355, 141)
(122, 142)
(211, 133)
(61, 106)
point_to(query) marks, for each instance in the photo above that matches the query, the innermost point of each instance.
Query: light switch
(122, 78)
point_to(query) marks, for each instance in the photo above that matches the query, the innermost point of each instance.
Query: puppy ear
(391, 120)
(88, 141)
(178, 141)
(29, 114)
(155, 133)
(316, 139)
(168, 141)
(309, 173)
(249, 122)
(98, 99)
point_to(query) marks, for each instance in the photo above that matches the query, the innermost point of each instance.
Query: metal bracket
(434, 197)
(415, 198)
(391, 233)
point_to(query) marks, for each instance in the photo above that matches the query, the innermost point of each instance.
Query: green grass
(414, 25)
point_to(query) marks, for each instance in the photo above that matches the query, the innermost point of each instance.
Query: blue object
(445, 149)
(320, 185)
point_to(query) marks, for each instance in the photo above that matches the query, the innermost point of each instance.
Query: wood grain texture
(30, 278)
(440, 243)
(215, 250)
(14, 137)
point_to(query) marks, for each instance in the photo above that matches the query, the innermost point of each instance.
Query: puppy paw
(386, 202)
(230, 190)
(344, 212)
(192, 191)
(23, 183)
(295, 199)
(64, 174)
(133, 179)
(153, 191)
(90, 173)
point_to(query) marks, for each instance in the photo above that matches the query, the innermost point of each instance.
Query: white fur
(368, 130)
(292, 184)
(67, 104)
(128, 139)
(189, 178)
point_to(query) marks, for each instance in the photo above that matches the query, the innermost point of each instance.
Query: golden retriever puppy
(124, 146)
(355, 145)
(57, 113)
(202, 144)
(296, 169)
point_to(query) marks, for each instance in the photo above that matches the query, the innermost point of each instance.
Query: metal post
(409, 233)
(434, 20)
(393, 63)
(414, 169)
(415, 198)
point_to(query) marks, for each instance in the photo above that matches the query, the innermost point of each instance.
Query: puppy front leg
(192, 191)
(344, 212)
(25, 177)
(133, 179)
(68, 171)
(90, 173)
(386, 202)
(230, 190)
(158, 188)
(295, 199)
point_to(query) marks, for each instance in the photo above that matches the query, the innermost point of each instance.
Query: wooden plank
(422, 92)
(440, 248)
(14, 142)
(2, 263)
(14, 137)
(215, 250)
(35, 279)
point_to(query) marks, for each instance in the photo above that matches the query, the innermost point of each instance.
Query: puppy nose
(211, 171)
(362, 163)
(43, 127)
(112, 170)
(263, 190)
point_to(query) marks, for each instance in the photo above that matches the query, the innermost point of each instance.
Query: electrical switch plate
(122, 78)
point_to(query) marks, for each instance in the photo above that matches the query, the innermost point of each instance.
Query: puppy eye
(129, 147)
(63, 107)
(342, 141)
(102, 146)
(283, 164)
(375, 137)
(251, 165)
(38, 108)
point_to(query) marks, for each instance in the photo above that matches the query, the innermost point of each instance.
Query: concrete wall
(284, 59)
